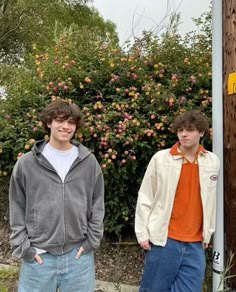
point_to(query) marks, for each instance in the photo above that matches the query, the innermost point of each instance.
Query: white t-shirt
(61, 160)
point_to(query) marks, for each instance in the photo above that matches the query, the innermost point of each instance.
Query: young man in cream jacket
(175, 213)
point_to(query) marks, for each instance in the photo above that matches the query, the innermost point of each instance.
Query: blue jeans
(62, 271)
(177, 267)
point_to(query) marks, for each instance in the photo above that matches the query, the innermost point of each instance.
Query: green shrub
(128, 100)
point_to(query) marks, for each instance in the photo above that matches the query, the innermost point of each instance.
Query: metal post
(217, 116)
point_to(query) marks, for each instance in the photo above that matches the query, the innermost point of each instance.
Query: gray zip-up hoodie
(51, 215)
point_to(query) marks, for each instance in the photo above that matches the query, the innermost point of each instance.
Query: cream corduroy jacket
(157, 193)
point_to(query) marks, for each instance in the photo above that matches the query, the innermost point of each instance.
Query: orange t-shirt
(187, 217)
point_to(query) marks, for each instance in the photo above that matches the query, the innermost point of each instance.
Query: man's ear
(49, 125)
(202, 134)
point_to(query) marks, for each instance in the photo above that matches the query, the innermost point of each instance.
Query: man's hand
(38, 259)
(79, 253)
(145, 245)
(205, 245)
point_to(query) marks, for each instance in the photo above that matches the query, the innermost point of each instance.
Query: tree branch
(22, 16)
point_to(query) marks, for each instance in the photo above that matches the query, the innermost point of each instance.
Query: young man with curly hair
(56, 207)
(175, 212)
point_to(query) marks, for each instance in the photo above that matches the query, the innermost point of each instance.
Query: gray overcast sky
(146, 14)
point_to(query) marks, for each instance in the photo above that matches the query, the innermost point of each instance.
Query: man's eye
(72, 122)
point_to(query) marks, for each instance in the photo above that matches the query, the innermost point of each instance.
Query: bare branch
(22, 16)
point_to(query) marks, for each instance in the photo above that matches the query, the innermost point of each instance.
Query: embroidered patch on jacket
(214, 177)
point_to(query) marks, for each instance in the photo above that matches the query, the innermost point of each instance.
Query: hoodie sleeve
(19, 240)
(146, 196)
(95, 222)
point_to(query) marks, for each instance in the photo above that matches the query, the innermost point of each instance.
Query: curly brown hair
(60, 108)
(192, 118)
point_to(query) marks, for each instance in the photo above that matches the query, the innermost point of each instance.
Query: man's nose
(184, 133)
(65, 124)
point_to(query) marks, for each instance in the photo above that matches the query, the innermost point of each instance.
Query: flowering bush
(128, 100)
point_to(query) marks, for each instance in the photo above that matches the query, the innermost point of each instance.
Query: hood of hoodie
(39, 146)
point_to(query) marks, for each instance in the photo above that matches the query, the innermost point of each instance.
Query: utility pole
(229, 125)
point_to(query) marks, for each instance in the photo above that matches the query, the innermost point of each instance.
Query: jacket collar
(175, 151)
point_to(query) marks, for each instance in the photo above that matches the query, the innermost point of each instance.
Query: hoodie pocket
(35, 221)
(48, 225)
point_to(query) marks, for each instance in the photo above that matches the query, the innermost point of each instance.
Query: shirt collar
(174, 150)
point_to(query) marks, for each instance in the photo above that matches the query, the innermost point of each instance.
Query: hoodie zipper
(63, 197)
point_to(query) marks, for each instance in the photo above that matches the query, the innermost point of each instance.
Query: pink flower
(174, 77)
(87, 80)
(19, 155)
(182, 99)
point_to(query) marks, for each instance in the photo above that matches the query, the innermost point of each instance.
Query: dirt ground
(119, 263)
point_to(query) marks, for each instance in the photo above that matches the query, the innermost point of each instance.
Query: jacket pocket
(35, 221)
(76, 231)
(46, 225)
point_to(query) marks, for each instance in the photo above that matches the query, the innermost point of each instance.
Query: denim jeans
(177, 267)
(61, 271)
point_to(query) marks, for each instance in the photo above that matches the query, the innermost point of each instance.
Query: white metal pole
(217, 125)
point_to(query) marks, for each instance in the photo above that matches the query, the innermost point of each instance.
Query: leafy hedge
(128, 99)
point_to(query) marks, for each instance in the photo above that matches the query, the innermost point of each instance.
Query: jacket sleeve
(210, 204)
(19, 240)
(95, 222)
(146, 196)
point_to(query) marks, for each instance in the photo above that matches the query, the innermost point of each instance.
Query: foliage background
(128, 97)
(24, 22)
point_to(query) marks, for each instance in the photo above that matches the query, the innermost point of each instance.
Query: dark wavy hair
(192, 118)
(62, 109)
